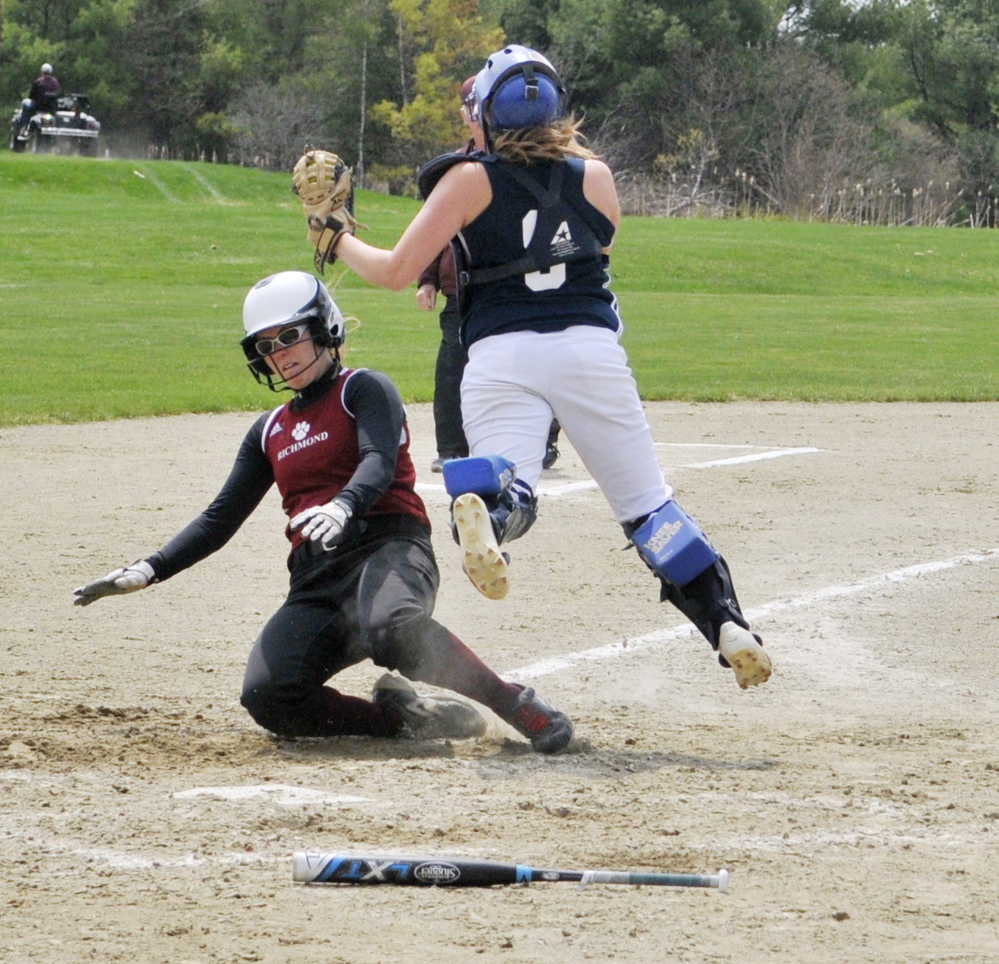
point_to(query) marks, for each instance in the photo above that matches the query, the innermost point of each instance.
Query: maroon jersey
(315, 452)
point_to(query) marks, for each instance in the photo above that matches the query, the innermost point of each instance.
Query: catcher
(363, 574)
(531, 222)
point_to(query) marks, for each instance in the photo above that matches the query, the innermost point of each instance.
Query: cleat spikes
(743, 651)
(483, 563)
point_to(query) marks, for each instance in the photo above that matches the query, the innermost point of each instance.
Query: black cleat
(428, 717)
(548, 729)
(551, 448)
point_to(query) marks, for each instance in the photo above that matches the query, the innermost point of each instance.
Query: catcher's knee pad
(485, 475)
(673, 545)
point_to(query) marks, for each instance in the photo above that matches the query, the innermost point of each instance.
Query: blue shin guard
(511, 504)
(673, 545)
(483, 475)
(484, 510)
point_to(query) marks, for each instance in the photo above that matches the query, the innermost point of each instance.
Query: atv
(67, 129)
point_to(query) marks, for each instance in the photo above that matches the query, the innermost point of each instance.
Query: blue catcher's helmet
(518, 87)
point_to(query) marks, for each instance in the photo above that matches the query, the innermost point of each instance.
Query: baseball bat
(313, 867)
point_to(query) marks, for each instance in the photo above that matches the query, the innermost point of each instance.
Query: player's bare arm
(460, 197)
(600, 190)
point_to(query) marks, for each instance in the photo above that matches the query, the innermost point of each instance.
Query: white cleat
(483, 562)
(744, 654)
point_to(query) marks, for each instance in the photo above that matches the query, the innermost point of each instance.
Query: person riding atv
(48, 120)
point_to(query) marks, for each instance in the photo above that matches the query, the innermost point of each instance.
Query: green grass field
(121, 284)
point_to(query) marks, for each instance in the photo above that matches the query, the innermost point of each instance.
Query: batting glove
(325, 523)
(134, 577)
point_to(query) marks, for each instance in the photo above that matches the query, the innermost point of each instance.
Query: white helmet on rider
(46, 68)
(517, 88)
(289, 298)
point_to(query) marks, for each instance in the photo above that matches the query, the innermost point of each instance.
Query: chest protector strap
(553, 209)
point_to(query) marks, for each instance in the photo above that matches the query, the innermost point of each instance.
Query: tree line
(867, 111)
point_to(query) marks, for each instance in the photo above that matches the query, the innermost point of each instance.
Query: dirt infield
(854, 798)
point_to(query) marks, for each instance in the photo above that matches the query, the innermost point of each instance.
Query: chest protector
(548, 246)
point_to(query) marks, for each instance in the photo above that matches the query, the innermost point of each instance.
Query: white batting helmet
(287, 298)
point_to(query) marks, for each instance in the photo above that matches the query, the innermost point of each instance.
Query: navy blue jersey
(571, 288)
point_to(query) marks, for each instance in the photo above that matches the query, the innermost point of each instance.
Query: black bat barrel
(320, 868)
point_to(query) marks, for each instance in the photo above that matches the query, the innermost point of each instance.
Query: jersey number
(548, 280)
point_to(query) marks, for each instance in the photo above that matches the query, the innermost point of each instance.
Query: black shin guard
(512, 518)
(707, 601)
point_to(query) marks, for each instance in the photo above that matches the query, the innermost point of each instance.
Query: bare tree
(275, 123)
(805, 142)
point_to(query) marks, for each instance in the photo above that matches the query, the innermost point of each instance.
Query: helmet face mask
(518, 88)
(469, 103)
(283, 299)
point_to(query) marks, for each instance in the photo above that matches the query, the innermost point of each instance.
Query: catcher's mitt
(323, 181)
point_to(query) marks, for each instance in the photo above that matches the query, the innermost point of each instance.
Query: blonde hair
(549, 143)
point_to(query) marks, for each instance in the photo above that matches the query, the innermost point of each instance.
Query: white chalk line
(279, 793)
(159, 185)
(204, 182)
(703, 445)
(557, 664)
(568, 488)
(119, 860)
(756, 457)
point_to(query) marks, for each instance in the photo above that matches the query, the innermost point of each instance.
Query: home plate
(278, 792)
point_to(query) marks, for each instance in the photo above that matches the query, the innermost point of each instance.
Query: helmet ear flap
(327, 326)
(336, 326)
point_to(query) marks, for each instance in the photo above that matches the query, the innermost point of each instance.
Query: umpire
(363, 574)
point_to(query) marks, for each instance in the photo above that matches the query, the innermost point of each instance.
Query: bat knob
(722, 881)
(306, 865)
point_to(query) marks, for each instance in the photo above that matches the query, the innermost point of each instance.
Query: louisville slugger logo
(437, 873)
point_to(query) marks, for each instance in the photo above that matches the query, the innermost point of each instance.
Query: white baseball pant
(515, 382)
